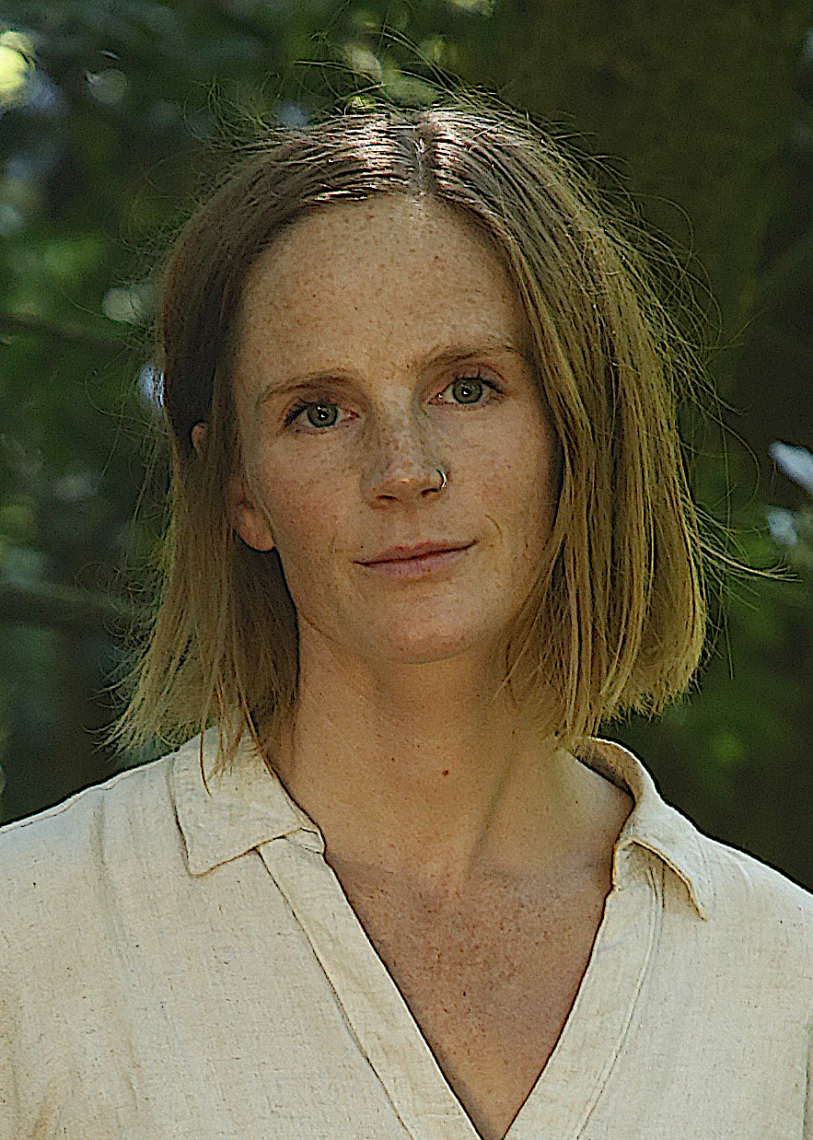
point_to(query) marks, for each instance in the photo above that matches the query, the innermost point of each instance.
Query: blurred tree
(105, 109)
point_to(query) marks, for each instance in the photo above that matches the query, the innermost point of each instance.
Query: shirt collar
(653, 827)
(246, 805)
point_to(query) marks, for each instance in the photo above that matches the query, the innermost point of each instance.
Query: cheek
(304, 516)
(545, 482)
(521, 484)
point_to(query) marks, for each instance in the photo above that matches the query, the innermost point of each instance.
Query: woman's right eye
(304, 405)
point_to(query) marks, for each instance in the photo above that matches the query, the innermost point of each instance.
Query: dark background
(695, 118)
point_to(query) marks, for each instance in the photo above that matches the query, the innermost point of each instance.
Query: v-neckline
(580, 1065)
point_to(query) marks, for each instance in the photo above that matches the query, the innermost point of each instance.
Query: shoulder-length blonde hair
(616, 619)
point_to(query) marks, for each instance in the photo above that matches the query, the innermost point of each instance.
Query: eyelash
(302, 405)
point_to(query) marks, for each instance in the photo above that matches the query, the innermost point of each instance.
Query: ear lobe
(244, 518)
(198, 437)
(247, 520)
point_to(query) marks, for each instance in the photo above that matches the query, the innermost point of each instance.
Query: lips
(404, 553)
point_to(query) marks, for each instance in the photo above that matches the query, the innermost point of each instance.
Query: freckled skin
(489, 972)
(370, 287)
(476, 856)
(396, 679)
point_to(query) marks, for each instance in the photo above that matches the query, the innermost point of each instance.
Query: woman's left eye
(471, 382)
(468, 391)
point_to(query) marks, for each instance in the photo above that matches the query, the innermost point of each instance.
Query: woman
(429, 529)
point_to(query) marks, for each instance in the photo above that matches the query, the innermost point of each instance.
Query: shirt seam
(655, 924)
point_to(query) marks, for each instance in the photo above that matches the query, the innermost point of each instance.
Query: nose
(403, 466)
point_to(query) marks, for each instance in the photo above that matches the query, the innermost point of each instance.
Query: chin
(420, 647)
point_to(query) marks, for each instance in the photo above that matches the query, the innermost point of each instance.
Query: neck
(417, 773)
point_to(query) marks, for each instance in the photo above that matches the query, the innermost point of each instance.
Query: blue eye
(477, 383)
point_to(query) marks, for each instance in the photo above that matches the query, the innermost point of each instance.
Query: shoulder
(745, 883)
(764, 917)
(727, 902)
(54, 863)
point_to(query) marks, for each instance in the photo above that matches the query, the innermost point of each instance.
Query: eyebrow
(338, 378)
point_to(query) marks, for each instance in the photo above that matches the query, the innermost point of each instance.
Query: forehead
(384, 277)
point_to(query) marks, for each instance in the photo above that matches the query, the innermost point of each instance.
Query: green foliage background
(695, 119)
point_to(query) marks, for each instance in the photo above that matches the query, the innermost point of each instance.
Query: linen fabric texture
(177, 962)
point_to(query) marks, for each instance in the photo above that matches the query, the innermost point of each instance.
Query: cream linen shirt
(175, 963)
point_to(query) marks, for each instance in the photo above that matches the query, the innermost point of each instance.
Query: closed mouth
(419, 555)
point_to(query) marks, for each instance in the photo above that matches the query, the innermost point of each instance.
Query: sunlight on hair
(617, 620)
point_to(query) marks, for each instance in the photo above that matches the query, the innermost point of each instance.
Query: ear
(198, 435)
(249, 523)
(243, 516)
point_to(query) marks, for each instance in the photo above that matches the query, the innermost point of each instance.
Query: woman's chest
(490, 983)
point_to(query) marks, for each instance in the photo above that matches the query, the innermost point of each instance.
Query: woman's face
(423, 354)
